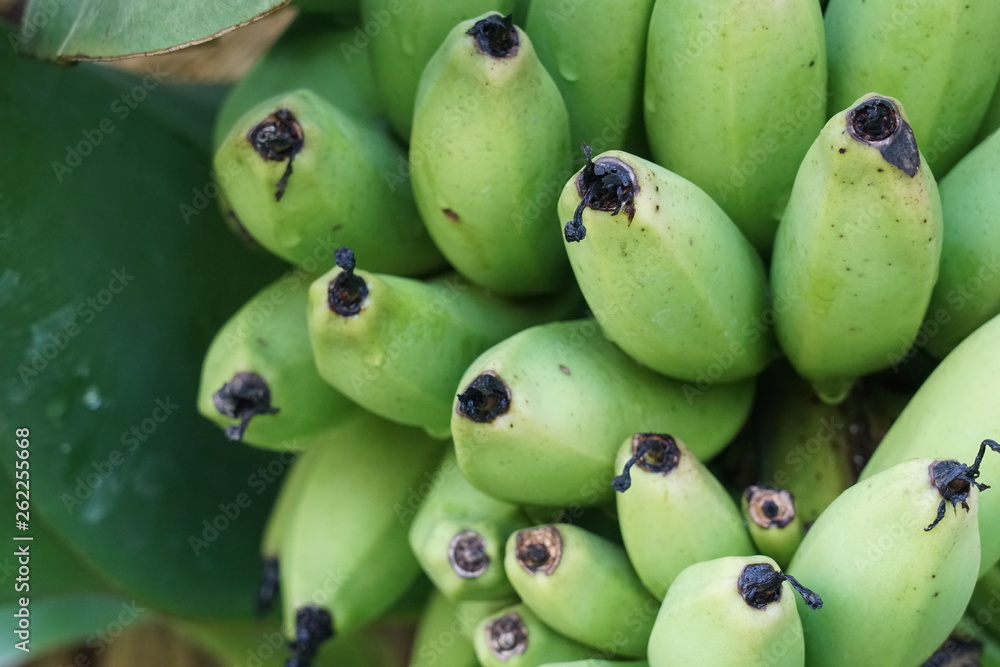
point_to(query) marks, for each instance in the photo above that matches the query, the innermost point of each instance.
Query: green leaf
(68, 31)
(115, 272)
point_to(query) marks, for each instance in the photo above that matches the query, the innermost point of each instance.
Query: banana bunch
(655, 332)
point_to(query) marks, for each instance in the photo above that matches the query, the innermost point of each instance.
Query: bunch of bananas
(619, 412)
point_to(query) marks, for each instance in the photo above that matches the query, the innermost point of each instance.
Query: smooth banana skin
(940, 58)
(488, 151)
(667, 274)
(991, 119)
(773, 522)
(516, 637)
(305, 178)
(956, 405)
(344, 556)
(583, 586)
(410, 32)
(673, 512)
(967, 292)
(597, 662)
(444, 632)
(735, 125)
(856, 254)
(268, 337)
(984, 606)
(458, 535)
(602, 86)
(706, 620)
(312, 53)
(401, 353)
(560, 397)
(893, 589)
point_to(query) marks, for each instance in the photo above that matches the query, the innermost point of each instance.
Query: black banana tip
(486, 398)
(313, 626)
(278, 137)
(467, 555)
(507, 636)
(539, 549)
(760, 585)
(605, 185)
(244, 397)
(495, 36)
(347, 292)
(878, 122)
(654, 452)
(954, 480)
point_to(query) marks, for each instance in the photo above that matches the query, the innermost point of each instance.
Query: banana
(515, 637)
(398, 346)
(489, 149)
(940, 58)
(602, 86)
(597, 662)
(773, 522)
(672, 511)
(737, 126)
(408, 34)
(338, 194)
(967, 292)
(444, 633)
(458, 535)
(646, 246)
(857, 251)
(259, 370)
(343, 553)
(895, 566)
(984, 607)
(312, 53)
(955, 405)
(559, 397)
(581, 586)
(991, 119)
(734, 610)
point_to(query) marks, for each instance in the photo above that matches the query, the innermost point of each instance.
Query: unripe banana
(515, 637)
(955, 405)
(458, 535)
(344, 555)
(856, 254)
(337, 195)
(773, 522)
(559, 397)
(312, 53)
(410, 32)
(489, 149)
(582, 586)
(597, 662)
(444, 633)
(940, 58)
(732, 611)
(668, 276)
(967, 292)
(737, 126)
(895, 564)
(259, 371)
(602, 86)
(991, 119)
(398, 346)
(672, 511)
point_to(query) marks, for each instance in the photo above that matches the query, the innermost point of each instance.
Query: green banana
(259, 370)
(597, 662)
(991, 119)
(896, 568)
(984, 606)
(581, 586)
(940, 58)
(773, 522)
(672, 511)
(560, 397)
(737, 126)
(344, 554)
(602, 86)
(955, 405)
(967, 292)
(856, 254)
(489, 149)
(671, 280)
(732, 611)
(312, 53)
(515, 637)
(373, 335)
(444, 633)
(458, 535)
(404, 37)
(337, 195)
